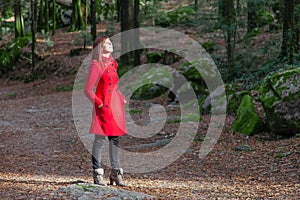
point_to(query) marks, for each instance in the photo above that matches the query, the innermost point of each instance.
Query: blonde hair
(98, 49)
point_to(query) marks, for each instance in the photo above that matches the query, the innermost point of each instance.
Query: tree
(93, 20)
(78, 19)
(252, 19)
(33, 30)
(129, 20)
(54, 16)
(196, 5)
(288, 45)
(227, 19)
(297, 23)
(19, 21)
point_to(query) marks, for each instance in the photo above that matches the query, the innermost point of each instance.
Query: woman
(108, 114)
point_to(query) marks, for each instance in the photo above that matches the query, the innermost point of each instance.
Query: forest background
(254, 43)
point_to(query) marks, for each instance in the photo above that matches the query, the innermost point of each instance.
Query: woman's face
(107, 46)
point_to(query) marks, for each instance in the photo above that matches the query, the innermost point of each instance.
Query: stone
(280, 97)
(247, 120)
(233, 100)
(87, 191)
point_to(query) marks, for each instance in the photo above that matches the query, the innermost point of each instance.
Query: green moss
(247, 121)
(134, 111)
(153, 83)
(154, 57)
(280, 94)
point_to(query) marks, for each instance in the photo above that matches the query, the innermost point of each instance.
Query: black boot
(116, 176)
(98, 175)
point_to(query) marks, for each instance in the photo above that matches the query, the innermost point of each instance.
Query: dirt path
(41, 152)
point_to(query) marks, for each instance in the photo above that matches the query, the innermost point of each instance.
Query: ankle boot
(116, 176)
(98, 175)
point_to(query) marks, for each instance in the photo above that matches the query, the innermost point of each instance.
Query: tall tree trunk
(93, 20)
(297, 25)
(33, 31)
(228, 22)
(77, 20)
(19, 21)
(288, 37)
(129, 20)
(53, 17)
(118, 6)
(196, 5)
(252, 21)
(47, 16)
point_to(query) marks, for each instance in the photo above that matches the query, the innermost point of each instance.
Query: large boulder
(233, 99)
(280, 97)
(247, 120)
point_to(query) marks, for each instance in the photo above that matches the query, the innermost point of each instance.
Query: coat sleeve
(91, 81)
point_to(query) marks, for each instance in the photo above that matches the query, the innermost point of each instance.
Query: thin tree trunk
(19, 21)
(252, 21)
(93, 20)
(41, 19)
(54, 17)
(228, 22)
(33, 32)
(196, 5)
(297, 25)
(47, 16)
(77, 20)
(288, 37)
(118, 5)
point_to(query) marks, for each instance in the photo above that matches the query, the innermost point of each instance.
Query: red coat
(109, 120)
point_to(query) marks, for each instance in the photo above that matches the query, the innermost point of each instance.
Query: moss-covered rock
(233, 98)
(280, 97)
(247, 120)
(153, 83)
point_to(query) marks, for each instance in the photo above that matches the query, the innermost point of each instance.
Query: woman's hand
(100, 106)
(125, 101)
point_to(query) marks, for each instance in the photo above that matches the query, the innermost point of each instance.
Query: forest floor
(42, 152)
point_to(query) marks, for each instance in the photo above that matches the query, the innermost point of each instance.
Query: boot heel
(116, 176)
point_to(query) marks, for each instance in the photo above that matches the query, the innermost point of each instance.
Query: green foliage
(282, 153)
(209, 46)
(64, 88)
(11, 53)
(243, 148)
(264, 17)
(253, 33)
(135, 111)
(11, 94)
(154, 57)
(5, 27)
(194, 77)
(183, 15)
(106, 10)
